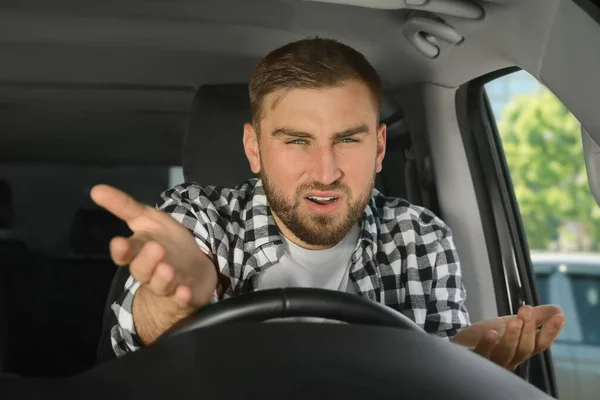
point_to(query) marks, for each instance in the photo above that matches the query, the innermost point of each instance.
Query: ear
(251, 147)
(381, 138)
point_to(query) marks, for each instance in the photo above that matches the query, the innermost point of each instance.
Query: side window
(543, 285)
(543, 149)
(586, 292)
(175, 176)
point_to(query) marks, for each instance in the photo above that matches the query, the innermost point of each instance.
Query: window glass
(543, 283)
(175, 176)
(586, 292)
(543, 148)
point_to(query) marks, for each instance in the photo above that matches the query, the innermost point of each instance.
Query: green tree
(544, 151)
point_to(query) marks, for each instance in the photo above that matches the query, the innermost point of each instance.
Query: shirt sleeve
(188, 206)
(123, 335)
(177, 203)
(446, 310)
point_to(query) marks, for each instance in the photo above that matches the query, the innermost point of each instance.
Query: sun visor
(591, 152)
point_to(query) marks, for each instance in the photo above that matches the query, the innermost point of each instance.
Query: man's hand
(510, 340)
(177, 277)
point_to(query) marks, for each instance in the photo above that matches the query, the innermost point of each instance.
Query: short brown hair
(309, 64)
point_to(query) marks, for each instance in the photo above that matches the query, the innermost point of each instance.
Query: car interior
(144, 94)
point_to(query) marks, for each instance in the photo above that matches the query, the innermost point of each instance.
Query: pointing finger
(117, 202)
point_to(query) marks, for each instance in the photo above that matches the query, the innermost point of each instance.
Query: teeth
(322, 198)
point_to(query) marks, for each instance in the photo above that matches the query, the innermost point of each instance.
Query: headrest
(7, 212)
(213, 151)
(92, 231)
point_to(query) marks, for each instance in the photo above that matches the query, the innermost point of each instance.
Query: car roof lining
(136, 65)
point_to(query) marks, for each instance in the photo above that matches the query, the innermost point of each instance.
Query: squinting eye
(296, 141)
(348, 141)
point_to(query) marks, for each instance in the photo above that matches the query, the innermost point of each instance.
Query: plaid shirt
(405, 256)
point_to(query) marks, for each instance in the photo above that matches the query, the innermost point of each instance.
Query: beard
(316, 229)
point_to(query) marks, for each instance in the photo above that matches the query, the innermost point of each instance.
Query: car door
(529, 149)
(554, 288)
(585, 292)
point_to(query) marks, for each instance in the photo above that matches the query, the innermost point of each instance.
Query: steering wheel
(269, 304)
(225, 352)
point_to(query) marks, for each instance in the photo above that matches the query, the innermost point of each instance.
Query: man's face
(318, 154)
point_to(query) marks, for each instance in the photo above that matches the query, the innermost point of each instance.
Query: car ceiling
(112, 82)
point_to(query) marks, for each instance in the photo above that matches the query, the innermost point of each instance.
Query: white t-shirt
(324, 269)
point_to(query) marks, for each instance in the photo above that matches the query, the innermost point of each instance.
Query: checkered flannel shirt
(405, 257)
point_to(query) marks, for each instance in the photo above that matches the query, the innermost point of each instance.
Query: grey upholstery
(92, 230)
(213, 151)
(6, 221)
(7, 212)
(79, 283)
(14, 271)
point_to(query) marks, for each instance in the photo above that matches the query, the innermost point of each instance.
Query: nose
(325, 168)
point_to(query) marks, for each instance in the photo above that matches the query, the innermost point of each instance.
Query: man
(312, 219)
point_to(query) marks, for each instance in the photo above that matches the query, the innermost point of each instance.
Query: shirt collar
(260, 226)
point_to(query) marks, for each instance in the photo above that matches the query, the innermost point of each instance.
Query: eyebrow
(355, 130)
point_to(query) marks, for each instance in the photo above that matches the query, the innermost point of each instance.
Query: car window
(586, 292)
(543, 286)
(543, 148)
(65, 196)
(175, 176)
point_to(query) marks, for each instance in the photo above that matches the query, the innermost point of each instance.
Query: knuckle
(153, 287)
(159, 289)
(159, 284)
(140, 270)
(149, 247)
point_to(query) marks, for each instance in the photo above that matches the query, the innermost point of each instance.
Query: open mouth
(323, 201)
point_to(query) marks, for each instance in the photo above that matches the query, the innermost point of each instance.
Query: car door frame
(505, 238)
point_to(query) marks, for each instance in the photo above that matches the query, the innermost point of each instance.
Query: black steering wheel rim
(279, 303)
(231, 359)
